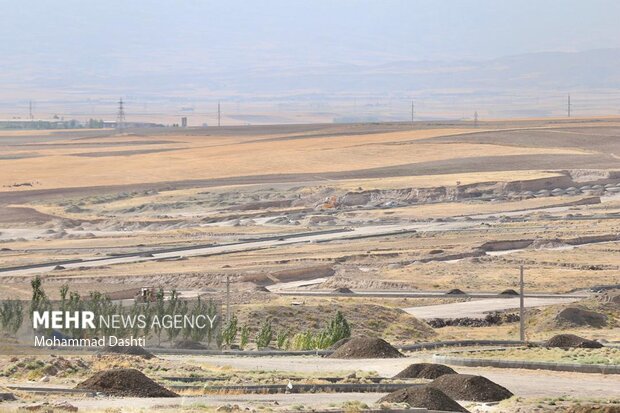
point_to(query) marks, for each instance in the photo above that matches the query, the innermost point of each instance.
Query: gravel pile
(471, 388)
(424, 397)
(125, 383)
(571, 341)
(424, 371)
(366, 348)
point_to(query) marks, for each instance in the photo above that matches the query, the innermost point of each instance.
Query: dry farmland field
(377, 221)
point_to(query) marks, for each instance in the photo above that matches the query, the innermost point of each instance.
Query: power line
(120, 117)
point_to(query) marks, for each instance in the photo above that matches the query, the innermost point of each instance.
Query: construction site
(429, 266)
(320, 206)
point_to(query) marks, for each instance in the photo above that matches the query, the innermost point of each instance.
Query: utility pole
(412, 111)
(521, 306)
(30, 110)
(120, 116)
(219, 114)
(227, 298)
(568, 105)
(475, 119)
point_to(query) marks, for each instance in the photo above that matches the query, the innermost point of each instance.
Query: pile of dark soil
(424, 397)
(129, 350)
(471, 388)
(262, 289)
(366, 348)
(339, 343)
(579, 317)
(343, 290)
(492, 319)
(125, 383)
(424, 371)
(571, 341)
(190, 345)
(455, 291)
(510, 291)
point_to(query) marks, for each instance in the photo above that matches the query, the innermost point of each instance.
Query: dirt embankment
(393, 324)
(525, 243)
(562, 181)
(293, 274)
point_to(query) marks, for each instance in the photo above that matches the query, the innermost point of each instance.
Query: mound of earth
(571, 341)
(262, 289)
(125, 383)
(579, 317)
(129, 350)
(366, 348)
(424, 397)
(509, 291)
(339, 343)
(471, 388)
(343, 290)
(455, 291)
(424, 371)
(190, 345)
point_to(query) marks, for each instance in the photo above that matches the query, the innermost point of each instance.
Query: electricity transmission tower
(475, 119)
(120, 117)
(219, 114)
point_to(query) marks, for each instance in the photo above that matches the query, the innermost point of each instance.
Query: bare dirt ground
(304, 207)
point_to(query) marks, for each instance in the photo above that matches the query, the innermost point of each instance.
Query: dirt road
(480, 308)
(525, 383)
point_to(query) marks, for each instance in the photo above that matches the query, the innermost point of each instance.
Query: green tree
(245, 337)
(160, 312)
(338, 329)
(11, 315)
(229, 333)
(39, 301)
(265, 335)
(282, 340)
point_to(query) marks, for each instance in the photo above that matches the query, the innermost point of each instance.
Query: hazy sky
(65, 54)
(124, 33)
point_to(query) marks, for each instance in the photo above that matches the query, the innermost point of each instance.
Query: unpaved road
(525, 383)
(360, 232)
(480, 308)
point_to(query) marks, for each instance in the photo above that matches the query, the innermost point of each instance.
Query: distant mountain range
(522, 85)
